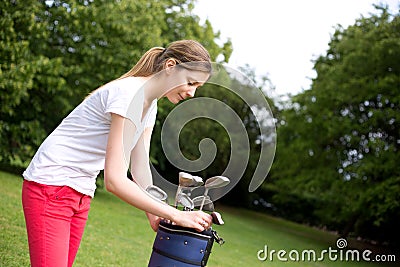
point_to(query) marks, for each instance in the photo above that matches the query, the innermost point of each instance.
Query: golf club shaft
(204, 198)
(178, 191)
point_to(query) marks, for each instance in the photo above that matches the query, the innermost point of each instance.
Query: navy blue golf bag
(176, 246)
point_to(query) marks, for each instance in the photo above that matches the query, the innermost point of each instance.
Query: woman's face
(185, 84)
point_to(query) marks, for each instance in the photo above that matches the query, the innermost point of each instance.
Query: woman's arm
(140, 168)
(140, 154)
(148, 131)
(153, 219)
(140, 165)
(117, 183)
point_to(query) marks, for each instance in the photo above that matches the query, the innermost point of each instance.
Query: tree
(28, 80)
(55, 52)
(339, 143)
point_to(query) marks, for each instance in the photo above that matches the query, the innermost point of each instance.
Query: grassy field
(118, 235)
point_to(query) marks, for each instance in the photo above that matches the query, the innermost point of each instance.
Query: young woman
(110, 128)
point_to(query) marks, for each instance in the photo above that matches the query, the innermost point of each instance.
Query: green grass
(118, 235)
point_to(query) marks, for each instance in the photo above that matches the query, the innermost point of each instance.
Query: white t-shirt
(74, 153)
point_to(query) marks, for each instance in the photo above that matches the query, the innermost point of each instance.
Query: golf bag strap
(176, 257)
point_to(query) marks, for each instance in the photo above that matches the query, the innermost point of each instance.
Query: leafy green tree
(53, 53)
(28, 81)
(339, 142)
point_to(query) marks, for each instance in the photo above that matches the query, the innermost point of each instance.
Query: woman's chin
(173, 100)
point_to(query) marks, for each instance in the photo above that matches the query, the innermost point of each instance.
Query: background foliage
(339, 142)
(53, 53)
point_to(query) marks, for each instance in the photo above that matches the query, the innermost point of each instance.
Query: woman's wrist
(174, 214)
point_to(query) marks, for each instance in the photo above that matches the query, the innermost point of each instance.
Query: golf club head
(157, 193)
(198, 181)
(207, 201)
(186, 201)
(208, 204)
(189, 190)
(188, 180)
(185, 175)
(216, 182)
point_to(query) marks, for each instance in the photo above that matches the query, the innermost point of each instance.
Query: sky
(281, 38)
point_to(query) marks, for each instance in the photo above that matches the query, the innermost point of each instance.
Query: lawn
(118, 235)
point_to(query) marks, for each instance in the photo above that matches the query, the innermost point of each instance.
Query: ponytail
(147, 65)
(183, 51)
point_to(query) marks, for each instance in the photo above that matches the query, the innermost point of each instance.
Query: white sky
(280, 38)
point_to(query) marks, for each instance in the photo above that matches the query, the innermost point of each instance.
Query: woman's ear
(169, 64)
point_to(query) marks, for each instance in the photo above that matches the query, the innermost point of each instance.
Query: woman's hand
(191, 219)
(153, 220)
(194, 219)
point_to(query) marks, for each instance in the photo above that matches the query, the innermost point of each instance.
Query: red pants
(55, 218)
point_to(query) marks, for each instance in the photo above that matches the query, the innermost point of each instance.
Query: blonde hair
(183, 51)
(188, 54)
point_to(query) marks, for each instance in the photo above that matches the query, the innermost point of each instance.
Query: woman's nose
(191, 92)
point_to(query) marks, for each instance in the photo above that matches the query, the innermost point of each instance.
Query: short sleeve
(125, 100)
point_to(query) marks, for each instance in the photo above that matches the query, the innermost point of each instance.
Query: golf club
(208, 204)
(198, 181)
(186, 180)
(157, 193)
(211, 183)
(186, 201)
